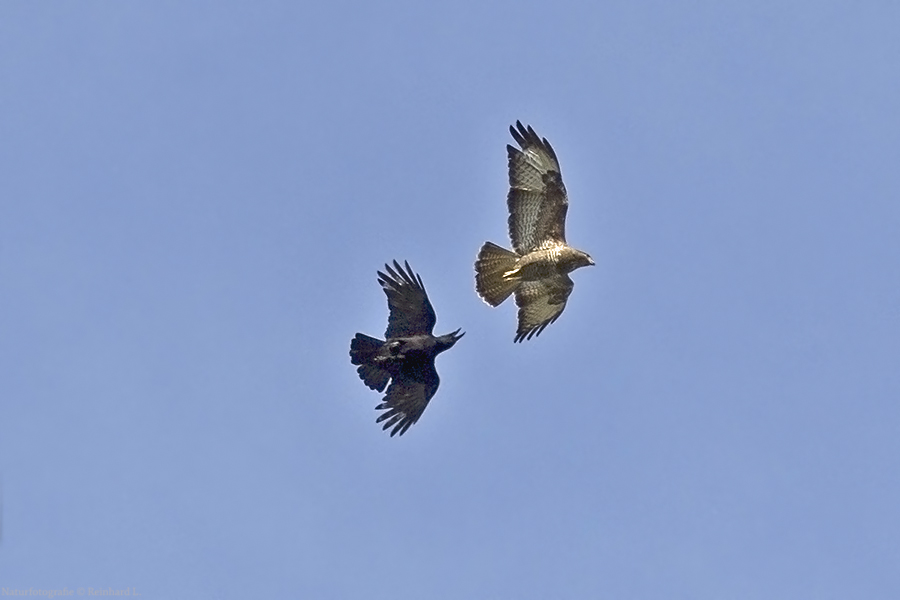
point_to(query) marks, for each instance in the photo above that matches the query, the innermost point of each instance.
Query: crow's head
(445, 342)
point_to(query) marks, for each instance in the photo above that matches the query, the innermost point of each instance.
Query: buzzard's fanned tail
(363, 351)
(492, 265)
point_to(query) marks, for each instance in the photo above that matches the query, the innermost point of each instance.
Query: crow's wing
(540, 303)
(407, 398)
(411, 312)
(537, 199)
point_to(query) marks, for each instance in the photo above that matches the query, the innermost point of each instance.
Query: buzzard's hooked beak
(591, 261)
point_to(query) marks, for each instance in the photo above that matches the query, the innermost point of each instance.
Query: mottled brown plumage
(537, 269)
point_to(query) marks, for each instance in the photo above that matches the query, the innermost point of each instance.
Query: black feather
(406, 357)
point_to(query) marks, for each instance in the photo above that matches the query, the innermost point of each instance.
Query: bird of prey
(407, 355)
(537, 270)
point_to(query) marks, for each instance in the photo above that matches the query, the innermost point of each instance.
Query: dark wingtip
(533, 332)
(519, 133)
(401, 275)
(396, 275)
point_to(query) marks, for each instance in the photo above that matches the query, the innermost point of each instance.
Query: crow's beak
(457, 335)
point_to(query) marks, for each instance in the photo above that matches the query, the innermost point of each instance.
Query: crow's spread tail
(491, 267)
(363, 350)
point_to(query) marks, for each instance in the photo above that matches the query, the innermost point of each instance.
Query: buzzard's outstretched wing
(537, 198)
(411, 312)
(407, 398)
(540, 303)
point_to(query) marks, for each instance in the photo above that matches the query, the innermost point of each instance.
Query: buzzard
(538, 268)
(406, 357)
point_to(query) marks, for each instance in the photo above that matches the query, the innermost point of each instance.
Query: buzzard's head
(445, 342)
(579, 259)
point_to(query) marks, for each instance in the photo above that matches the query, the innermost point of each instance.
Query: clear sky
(195, 197)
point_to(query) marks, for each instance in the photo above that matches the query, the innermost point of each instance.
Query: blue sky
(195, 197)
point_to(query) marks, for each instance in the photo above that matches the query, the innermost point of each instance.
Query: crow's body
(537, 269)
(406, 356)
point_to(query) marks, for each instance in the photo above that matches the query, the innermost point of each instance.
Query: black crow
(538, 268)
(407, 356)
